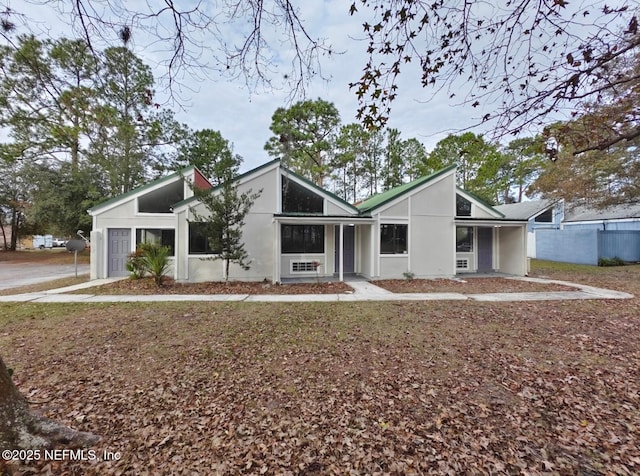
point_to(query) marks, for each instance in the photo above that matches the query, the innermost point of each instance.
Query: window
(545, 217)
(158, 237)
(463, 206)
(393, 239)
(299, 199)
(161, 200)
(302, 238)
(199, 240)
(464, 239)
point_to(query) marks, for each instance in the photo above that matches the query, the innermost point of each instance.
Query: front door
(348, 248)
(485, 249)
(119, 247)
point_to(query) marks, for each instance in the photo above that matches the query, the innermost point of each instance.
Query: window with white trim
(464, 239)
(158, 237)
(393, 238)
(302, 239)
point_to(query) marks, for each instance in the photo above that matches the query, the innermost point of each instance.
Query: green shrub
(136, 264)
(156, 260)
(615, 261)
(408, 275)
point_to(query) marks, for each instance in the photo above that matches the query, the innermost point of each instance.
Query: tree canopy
(520, 63)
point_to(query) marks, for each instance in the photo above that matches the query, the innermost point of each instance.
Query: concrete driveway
(13, 275)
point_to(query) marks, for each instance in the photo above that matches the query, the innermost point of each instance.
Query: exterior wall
(432, 230)
(608, 225)
(587, 246)
(432, 246)
(619, 244)
(400, 209)
(364, 250)
(568, 246)
(96, 258)
(477, 212)
(333, 209)
(431, 234)
(123, 216)
(512, 250)
(257, 235)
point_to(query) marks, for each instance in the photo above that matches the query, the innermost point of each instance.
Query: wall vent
(462, 264)
(303, 266)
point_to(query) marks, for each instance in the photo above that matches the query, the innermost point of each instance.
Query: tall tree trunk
(21, 429)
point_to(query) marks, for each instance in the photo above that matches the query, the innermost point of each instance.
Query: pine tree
(224, 221)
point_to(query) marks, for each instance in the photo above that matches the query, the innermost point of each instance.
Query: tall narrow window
(464, 239)
(299, 199)
(393, 239)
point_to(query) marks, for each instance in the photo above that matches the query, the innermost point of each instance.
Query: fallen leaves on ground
(467, 285)
(540, 388)
(169, 286)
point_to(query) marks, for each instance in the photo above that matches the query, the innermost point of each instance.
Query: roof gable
(290, 174)
(153, 185)
(525, 210)
(244, 176)
(479, 202)
(319, 190)
(400, 191)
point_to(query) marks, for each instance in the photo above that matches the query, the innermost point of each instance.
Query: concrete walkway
(362, 291)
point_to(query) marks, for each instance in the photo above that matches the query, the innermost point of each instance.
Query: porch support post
(276, 252)
(341, 252)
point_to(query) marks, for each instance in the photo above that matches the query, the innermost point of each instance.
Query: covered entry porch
(486, 246)
(317, 246)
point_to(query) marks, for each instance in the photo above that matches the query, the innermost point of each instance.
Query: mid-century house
(425, 228)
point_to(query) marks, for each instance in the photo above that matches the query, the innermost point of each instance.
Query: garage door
(119, 249)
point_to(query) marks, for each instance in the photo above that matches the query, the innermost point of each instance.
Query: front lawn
(444, 387)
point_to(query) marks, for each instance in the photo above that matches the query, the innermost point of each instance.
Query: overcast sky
(243, 117)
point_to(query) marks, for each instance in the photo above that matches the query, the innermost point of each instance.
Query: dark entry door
(118, 249)
(485, 249)
(348, 250)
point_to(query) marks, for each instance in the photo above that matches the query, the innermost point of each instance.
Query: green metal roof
(391, 194)
(142, 188)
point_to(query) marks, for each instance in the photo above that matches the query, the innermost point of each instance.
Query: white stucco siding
(400, 209)
(438, 199)
(113, 216)
(258, 239)
(201, 270)
(334, 209)
(182, 246)
(364, 250)
(432, 230)
(393, 266)
(479, 212)
(267, 202)
(513, 250)
(125, 216)
(431, 240)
